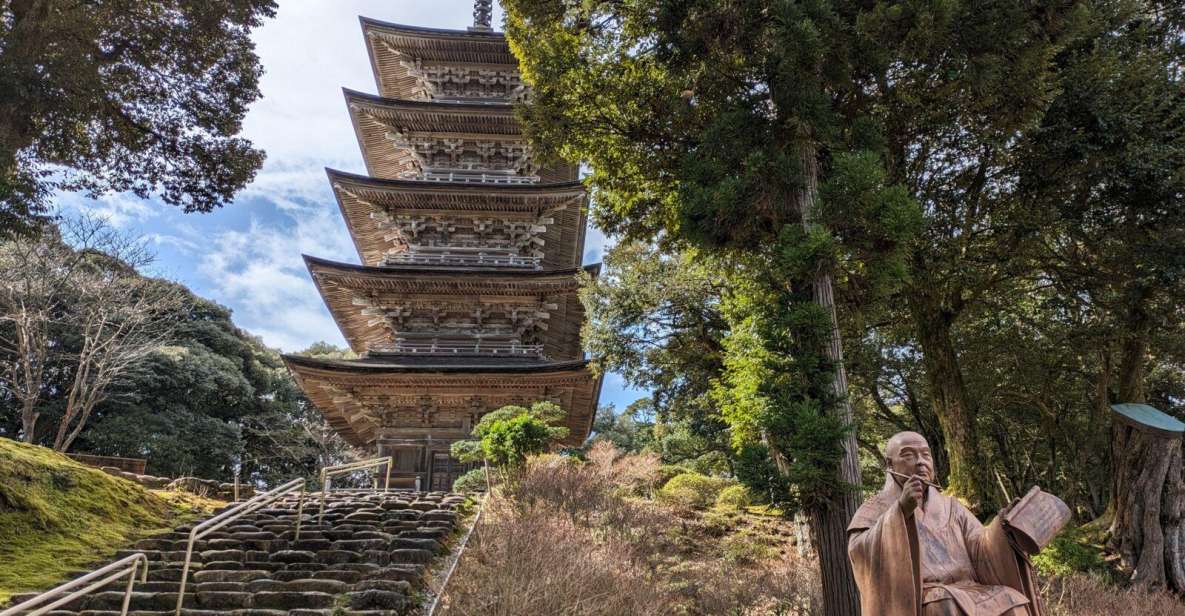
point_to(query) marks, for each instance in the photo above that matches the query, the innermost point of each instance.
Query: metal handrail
(234, 513)
(124, 566)
(328, 473)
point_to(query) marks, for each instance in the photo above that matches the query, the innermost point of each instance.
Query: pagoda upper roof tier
(403, 58)
(368, 399)
(459, 311)
(379, 213)
(461, 142)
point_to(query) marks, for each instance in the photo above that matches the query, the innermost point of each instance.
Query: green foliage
(508, 442)
(507, 436)
(654, 318)
(58, 516)
(667, 472)
(1074, 550)
(734, 498)
(471, 481)
(693, 490)
(466, 451)
(628, 431)
(157, 94)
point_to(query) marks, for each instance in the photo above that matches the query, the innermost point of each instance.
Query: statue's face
(909, 454)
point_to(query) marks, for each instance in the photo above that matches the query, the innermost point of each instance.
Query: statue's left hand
(1004, 511)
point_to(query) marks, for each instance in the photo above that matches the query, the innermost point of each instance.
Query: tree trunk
(29, 416)
(1146, 531)
(1133, 354)
(829, 525)
(967, 475)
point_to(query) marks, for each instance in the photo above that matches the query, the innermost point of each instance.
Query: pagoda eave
(372, 209)
(426, 310)
(446, 118)
(396, 49)
(366, 400)
(479, 143)
(446, 280)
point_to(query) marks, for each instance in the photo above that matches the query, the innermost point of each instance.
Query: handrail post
(324, 492)
(387, 485)
(127, 592)
(185, 569)
(299, 513)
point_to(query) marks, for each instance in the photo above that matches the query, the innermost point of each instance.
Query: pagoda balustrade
(480, 259)
(459, 348)
(477, 178)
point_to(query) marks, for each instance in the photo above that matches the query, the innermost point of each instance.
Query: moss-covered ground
(58, 516)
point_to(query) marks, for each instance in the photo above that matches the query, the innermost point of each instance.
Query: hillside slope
(58, 516)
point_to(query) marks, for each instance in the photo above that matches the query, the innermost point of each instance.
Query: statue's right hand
(911, 494)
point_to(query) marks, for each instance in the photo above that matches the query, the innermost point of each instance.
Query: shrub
(711, 463)
(733, 498)
(667, 472)
(693, 490)
(472, 481)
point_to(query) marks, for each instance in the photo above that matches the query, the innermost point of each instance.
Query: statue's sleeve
(885, 563)
(997, 562)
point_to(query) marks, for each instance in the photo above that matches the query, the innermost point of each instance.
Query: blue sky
(248, 255)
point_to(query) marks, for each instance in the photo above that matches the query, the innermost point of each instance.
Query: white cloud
(260, 273)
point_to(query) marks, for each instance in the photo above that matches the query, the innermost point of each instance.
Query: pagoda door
(445, 470)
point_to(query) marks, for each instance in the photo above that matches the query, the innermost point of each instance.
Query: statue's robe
(936, 559)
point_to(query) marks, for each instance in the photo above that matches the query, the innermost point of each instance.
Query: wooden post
(1149, 496)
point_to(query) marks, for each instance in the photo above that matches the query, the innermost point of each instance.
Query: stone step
(366, 557)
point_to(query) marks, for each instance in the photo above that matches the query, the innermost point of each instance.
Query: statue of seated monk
(916, 552)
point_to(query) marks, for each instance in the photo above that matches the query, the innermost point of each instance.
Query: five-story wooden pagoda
(466, 299)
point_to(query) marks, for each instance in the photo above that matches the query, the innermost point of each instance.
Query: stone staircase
(368, 557)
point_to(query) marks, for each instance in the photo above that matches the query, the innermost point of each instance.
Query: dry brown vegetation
(583, 539)
(1088, 595)
(587, 539)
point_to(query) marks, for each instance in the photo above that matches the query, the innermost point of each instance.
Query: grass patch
(1077, 549)
(58, 516)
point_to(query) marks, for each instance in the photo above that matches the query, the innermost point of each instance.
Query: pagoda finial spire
(483, 15)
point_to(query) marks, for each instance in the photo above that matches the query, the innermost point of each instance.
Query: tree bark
(1133, 354)
(967, 476)
(829, 524)
(1146, 531)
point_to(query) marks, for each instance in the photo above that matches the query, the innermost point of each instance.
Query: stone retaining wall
(130, 465)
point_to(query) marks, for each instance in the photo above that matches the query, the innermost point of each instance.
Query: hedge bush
(733, 498)
(472, 481)
(693, 490)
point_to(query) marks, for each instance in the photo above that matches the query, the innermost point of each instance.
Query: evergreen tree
(125, 95)
(780, 140)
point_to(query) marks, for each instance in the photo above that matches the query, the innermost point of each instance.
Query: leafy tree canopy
(126, 95)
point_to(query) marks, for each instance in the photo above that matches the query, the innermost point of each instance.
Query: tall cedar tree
(710, 124)
(125, 95)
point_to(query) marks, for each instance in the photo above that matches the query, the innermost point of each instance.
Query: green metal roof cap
(1147, 417)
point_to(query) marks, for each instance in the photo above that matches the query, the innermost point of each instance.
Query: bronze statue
(916, 552)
